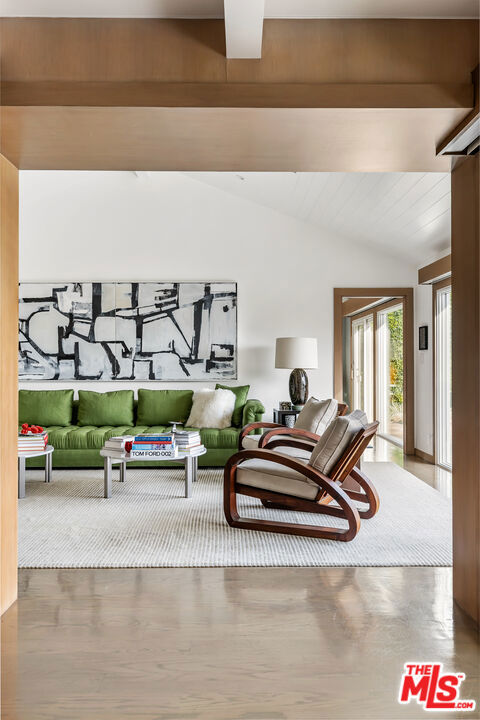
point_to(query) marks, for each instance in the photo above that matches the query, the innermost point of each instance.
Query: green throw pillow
(241, 395)
(110, 408)
(161, 407)
(45, 407)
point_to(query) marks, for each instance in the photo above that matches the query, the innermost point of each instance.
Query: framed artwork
(128, 331)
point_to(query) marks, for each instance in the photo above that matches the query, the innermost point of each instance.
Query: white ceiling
(403, 214)
(214, 8)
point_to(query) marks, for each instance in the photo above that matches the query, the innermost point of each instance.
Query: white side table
(188, 461)
(21, 467)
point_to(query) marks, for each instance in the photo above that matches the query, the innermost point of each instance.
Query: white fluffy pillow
(212, 409)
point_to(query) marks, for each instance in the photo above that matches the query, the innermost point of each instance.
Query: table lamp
(296, 354)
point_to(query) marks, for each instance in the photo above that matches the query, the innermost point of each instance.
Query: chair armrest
(247, 429)
(325, 485)
(286, 441)
(289, 433)
(252, 411)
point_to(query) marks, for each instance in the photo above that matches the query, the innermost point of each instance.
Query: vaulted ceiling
(404, 214)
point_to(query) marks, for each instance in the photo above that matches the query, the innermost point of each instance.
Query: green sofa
(77, 429)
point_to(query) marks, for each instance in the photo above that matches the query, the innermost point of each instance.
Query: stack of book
(188, 442)
(154, 447)
(116, 445)
(33, 443)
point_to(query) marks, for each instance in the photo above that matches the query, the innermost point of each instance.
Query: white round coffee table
(21, 467)
(188, 461)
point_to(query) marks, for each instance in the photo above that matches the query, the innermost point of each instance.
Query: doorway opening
(373, 348)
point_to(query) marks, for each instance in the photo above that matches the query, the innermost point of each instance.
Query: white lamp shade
(293, 352)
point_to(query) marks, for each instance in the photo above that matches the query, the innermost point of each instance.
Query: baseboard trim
(425, 456)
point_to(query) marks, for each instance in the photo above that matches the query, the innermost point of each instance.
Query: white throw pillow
(212, 409)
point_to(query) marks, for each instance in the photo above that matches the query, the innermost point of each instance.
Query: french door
(443, 376)
(363, 365)
(389, 364)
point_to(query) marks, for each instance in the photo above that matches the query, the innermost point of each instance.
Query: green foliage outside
(395, 324)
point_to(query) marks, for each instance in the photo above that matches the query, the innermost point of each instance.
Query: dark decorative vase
(298, 387)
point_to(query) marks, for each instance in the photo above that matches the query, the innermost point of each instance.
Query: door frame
(406, 295)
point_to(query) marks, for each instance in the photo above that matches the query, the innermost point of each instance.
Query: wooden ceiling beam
(333, 95)
(232, 95)
(294, 51)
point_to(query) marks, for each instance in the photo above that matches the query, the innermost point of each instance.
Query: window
(443, 376)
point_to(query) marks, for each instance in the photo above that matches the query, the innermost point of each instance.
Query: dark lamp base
(298, 387)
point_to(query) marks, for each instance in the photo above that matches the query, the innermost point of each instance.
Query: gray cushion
(276, 478)
(336, 440)
(317, 415)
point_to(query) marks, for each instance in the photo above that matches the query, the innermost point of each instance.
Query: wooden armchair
(284, 482)
(275, 429)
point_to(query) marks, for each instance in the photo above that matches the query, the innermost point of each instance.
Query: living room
(295, 326)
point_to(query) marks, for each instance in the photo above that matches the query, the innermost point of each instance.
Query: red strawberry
(25, 426)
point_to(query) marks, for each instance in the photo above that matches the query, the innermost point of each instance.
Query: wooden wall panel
(307, 51)
(466, 385)
(8, 380)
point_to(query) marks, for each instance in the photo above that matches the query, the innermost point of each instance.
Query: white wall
(167, 226)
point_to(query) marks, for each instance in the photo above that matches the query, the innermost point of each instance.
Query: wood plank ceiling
(407, 214)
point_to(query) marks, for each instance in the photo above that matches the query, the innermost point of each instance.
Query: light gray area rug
(147, 523)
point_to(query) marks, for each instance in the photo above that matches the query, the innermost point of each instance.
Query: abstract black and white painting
(128, 331)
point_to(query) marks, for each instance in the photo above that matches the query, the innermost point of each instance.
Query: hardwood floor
(230, 643)
(243, 643)
(434, 475)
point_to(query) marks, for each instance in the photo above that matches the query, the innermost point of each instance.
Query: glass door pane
(362, 365)
(443, 376)
(390, 373)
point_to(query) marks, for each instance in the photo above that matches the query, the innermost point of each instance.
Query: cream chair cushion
(317, 415)
(336, 440)
(276, 478)
(250, 442)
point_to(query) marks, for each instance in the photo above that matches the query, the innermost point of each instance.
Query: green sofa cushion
(241, 395)
(226, 438)
(45, 407)
(110, 408)
(161, 407)
(89, 437)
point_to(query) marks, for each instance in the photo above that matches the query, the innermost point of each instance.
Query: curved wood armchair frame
(329, 489)
(276, 429)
